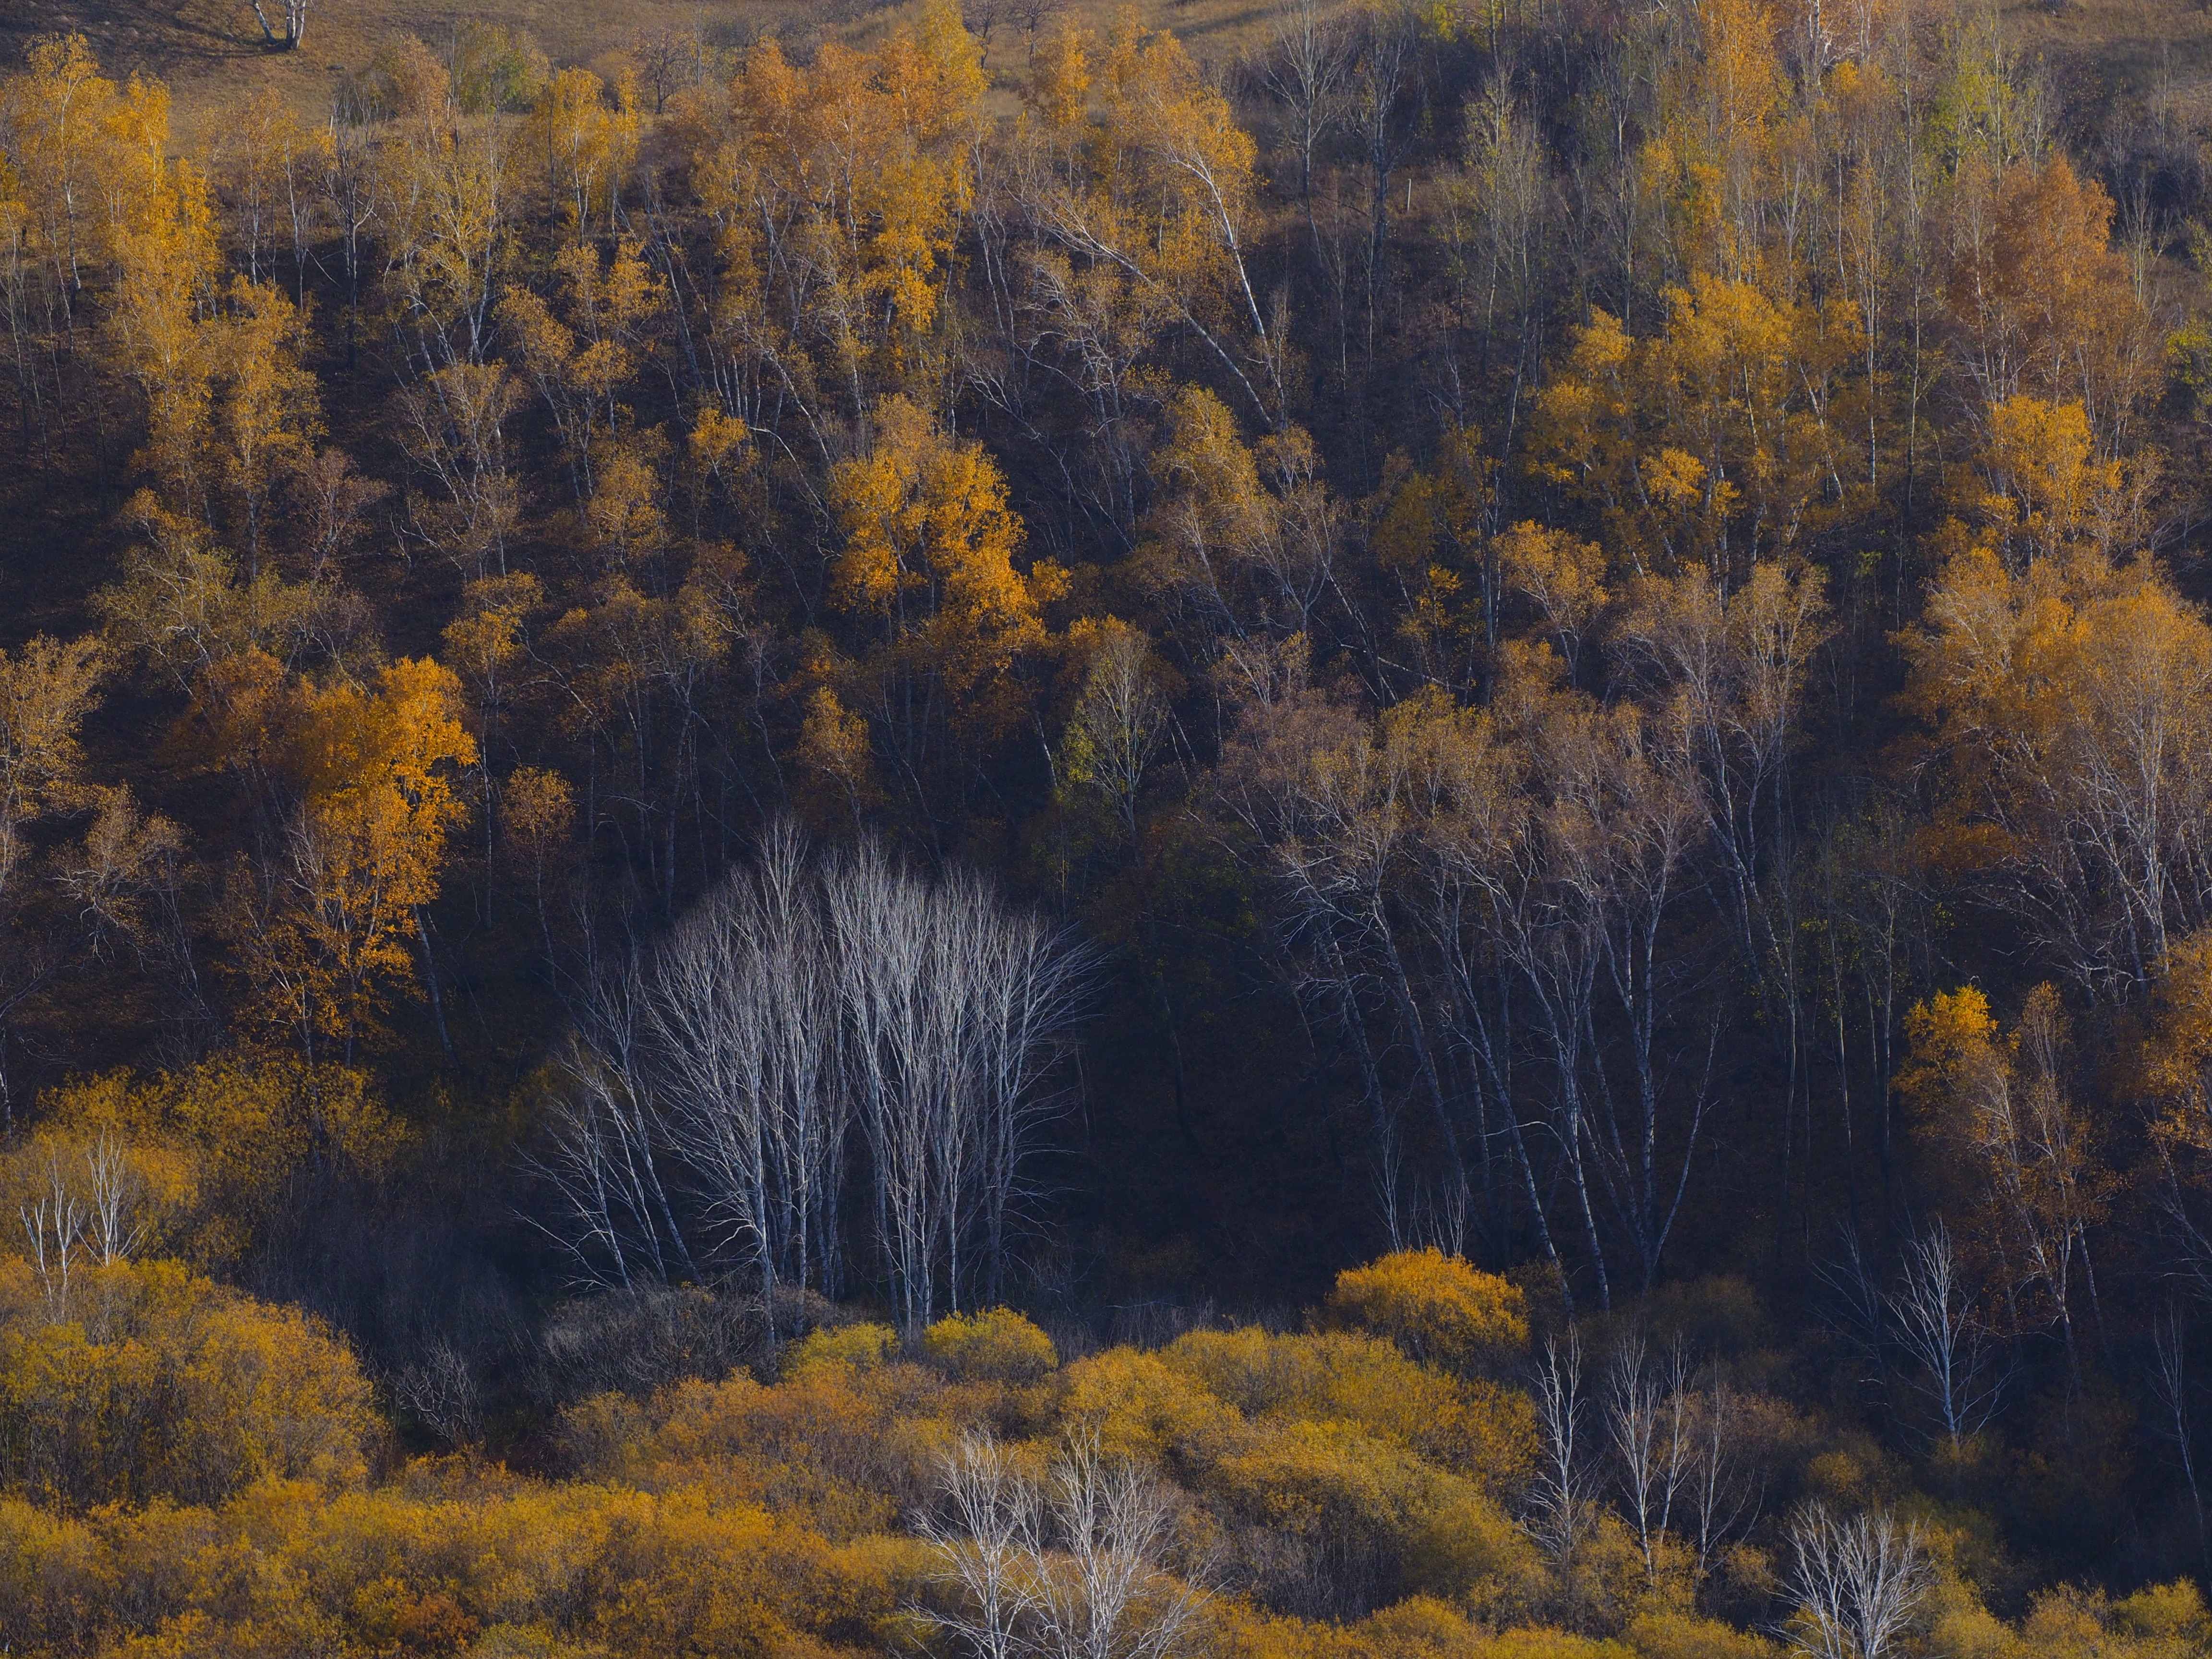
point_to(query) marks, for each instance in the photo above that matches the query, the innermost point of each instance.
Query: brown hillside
(211, 54)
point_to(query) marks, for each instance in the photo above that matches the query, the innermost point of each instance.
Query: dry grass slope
(2136, 49)
(211, 55)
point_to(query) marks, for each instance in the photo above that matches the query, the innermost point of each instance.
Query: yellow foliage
(268, 411)
(1061, 73)
(184, 1471)
(1684, 1636)
(376, 770)
(929, 558)
(2005, 1130)
(1242, 537)
(1953, 1036)
(1562, 575)
(1959, 1625)
(1715, 443)
(862, 162)
(1419, 1627)
(212, 1153)
(46, 690)
(845, 1447)
(2044, 302)
(833, 741)
(589, 143)
(573, 1572)
(2174, 1612)
(540, 811)
(1550, 1644)
(184, 604)
(127, 1382)
(996, 1346)
(2172, 1058)
(443, 213)
(2045, 491)
(583, 361)
(2069, 703)
(1140, 1409)
(1474, 1429)
(1440, 1309)
(1433, 537)
(1411, 1527)
(740, 1519)
(137, 1196)
(1122, 714)
(2161, 1622)
(841, 1347)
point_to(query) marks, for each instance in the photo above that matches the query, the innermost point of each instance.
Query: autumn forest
(989, 834)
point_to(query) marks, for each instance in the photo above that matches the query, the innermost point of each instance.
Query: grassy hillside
(211, 54)
(2135, 49)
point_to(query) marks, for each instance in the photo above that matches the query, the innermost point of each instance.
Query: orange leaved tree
(322, 929)
(945, 618)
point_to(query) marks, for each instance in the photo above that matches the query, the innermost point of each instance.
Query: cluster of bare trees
(1667, 1449)
(813, 1014)
(1660, 1440)
(1499, 896)
(92, 1218)
(1858, 1582)
(1063, 1563)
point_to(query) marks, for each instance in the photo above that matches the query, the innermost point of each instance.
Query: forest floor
(211, 55)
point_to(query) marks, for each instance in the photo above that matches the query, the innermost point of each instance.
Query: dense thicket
(1566, 633)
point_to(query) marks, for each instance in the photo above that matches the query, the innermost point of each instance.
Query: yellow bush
(604, 1437)
(2165, 1621)
(703, 1577)
(532, 1642)
(145, 1381)
(448, 1558)
(1237, 1630)
(199, 1460)
(51, 1590)
(997, 1346)
(1437, 1307)
(1549, 1645)
(2173, 1611)
(1421, 1627)
(154, 1189)
(1141, 1409)
(1960, 1627)
(1472, 1428)
(1387, 1519)
(2067, 1624)
(848, 1449)
(1684, 1636)
(839, 1347)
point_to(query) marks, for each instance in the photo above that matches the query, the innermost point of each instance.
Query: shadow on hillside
(143, 37)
